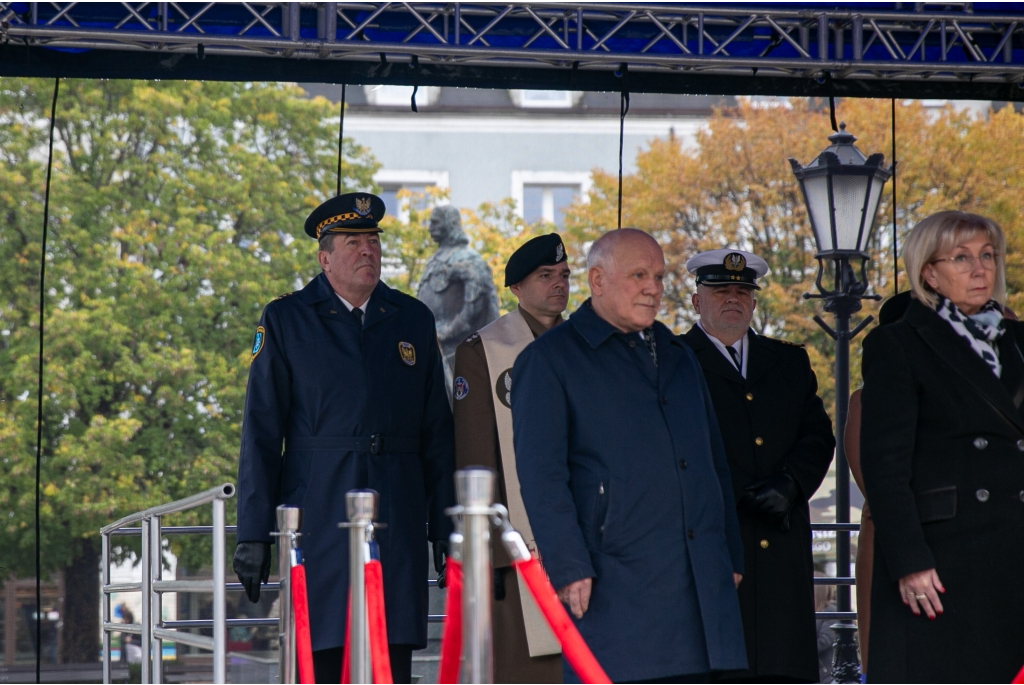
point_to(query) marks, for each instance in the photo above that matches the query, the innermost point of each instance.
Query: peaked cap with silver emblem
(544, 250)
(727, 267)
(348, 213)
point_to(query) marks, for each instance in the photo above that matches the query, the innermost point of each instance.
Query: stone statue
(456, 285)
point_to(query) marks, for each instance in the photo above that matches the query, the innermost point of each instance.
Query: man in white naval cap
(779, 444)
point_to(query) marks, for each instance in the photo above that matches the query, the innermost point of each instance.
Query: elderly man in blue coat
(346, 391)
(624, 477)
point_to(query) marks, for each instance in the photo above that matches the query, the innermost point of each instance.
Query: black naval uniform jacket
(332, 407)
(772, 420)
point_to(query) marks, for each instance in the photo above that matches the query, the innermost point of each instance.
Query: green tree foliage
(735, 188)
(176, 215)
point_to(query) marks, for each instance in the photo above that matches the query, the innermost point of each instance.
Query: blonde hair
(939, 234)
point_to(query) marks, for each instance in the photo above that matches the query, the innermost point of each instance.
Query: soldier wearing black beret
(779, 444)
(346, 390)
(538, 275)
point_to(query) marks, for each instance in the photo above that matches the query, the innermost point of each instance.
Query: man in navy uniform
(346, 390)
(625, 481)
(779, 442)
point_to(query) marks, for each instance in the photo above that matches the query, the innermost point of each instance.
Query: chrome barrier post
(147, 601)
(156, 567)
(105, 602)
(475, 491)
(361, 506)
(289, 522)
(219, 608)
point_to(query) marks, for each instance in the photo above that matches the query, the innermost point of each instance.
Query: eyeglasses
(964, 263)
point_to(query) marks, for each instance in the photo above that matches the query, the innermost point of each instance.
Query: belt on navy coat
(375, 444)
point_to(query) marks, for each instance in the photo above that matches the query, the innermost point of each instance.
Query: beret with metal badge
(348, 213)
(544, 250)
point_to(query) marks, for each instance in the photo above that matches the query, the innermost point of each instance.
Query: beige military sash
(503, 340)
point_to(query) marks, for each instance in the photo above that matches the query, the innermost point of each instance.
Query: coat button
(1021, 495)
(982, 495)
(600, 488)
(664, 400)
(690, 534)
(758, 441)
(632, 344)
(980, 443)
(764, 544)
(1020, 445)
(750, 397)
(683, 464)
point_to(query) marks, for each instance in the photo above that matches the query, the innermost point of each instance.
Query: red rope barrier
(378, 633)
(574, 649)
(303, 645)
(451, 640)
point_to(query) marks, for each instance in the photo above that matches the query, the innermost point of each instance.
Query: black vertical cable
(341, 133)
(39, 393)
(895, 252)
(832, 113)
(623, 109)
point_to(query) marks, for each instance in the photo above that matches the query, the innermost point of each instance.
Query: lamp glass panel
(816, 188)
(849, 193)
(876, 192)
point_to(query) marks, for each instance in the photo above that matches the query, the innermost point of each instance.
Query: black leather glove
(252, 564)
(499, 583)
(441, 562)
(771, 498)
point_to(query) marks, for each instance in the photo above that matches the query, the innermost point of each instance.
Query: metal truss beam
(868, 49)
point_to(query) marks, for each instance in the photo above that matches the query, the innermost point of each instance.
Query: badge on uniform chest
(407, 352)
(503, 388)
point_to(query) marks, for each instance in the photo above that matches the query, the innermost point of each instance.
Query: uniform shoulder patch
(787, 343)
(461, 388)
(281, 297)
(258, 343)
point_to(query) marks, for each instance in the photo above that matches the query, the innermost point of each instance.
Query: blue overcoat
(625, 480)
(320, 390)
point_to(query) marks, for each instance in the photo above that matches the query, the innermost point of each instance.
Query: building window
(545, 99)
(401, 96)
(419, 183)
(546, 195)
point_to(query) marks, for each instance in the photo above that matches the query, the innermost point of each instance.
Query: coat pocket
(937, 504)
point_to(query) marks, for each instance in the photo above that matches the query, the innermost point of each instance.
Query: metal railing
(151, 628)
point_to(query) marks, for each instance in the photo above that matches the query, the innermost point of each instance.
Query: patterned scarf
(980, 330)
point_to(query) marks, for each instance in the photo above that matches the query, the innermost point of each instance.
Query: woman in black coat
(942, 452)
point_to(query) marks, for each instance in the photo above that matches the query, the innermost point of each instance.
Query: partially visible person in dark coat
(891, 312)
(942, 453)
(625, 479)
(779, 442)
(538, 275)
(346, 390)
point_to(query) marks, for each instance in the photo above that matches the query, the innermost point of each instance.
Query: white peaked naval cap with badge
(727, 267)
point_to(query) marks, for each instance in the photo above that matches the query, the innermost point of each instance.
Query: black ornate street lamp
(841, 188)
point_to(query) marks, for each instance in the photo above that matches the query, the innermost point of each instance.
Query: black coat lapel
(710, 358)
(379, 306)
(760, 357)
(1013, 365)
(938, 335)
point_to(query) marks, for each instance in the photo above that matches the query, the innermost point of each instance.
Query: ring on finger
(920, 596)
